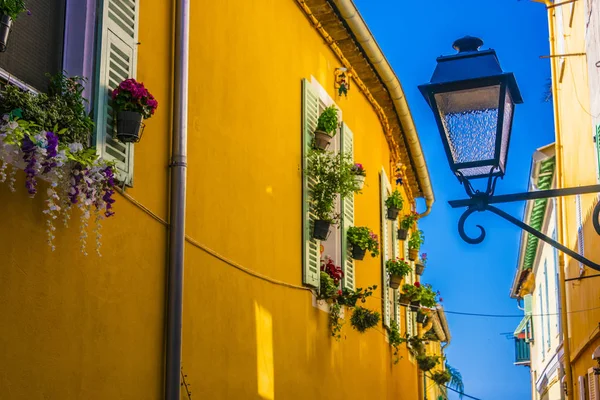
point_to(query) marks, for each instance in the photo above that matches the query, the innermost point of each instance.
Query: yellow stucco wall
(579, 168)
(75, 327)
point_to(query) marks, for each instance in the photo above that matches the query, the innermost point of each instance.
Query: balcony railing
(522, 356)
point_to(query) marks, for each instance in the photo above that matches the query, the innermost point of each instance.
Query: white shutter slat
(117, 62)
(349, 280)
(384, 183)
(311, 247)
(593, 385)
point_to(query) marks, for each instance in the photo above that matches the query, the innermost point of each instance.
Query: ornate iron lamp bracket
(481, 201)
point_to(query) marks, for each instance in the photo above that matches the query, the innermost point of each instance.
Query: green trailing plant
(335, 321)
(349, 297)
(417, 238)
(13, 8)
(408, 221)
(397, 267)
(328, 287)
(456, 381)
(61, 110)
(330, 175)
(363, 319)
(328, 121)
(395, 200)
(395, 339)
(429, 297)
(427, 363)
(364, 238)
(416, 345)
(441, 377)
(412, 292)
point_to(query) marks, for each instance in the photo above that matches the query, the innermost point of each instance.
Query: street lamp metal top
(473, 101)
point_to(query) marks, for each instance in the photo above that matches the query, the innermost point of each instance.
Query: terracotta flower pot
(129, 126)
(5, 25)
(402, 234)
(322, 140)
(413, 254)
(404, 299)
(358, 253)
(395, 281)
(419, 268)
(360, 180)
(321, 229)
(392, 213)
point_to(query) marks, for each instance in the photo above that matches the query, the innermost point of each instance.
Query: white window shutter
(117, 62)
(582, 388)
(396, 254)
(593, 393)
(348, 280)
(311, 247)
(385, 185)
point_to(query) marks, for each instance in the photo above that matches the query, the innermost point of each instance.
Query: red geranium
(332, 270)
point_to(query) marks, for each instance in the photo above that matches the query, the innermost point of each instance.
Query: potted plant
(427, 363)
(326, 127)
(363, 319)
(360, 175)
(407, 223)
(132, 102)
(395, 339)
(362, 240)
(441, 377)
(411, 295)
(397, 269)
(429, 298)
(420, 264)
(422, 316)
(330, 176)
(349, 297)
(394, 204)
(9, 11)
(414, 244)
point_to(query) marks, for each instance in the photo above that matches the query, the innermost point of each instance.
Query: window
(549, 339)
(314, 100)
(117, 52)
(35, 43)
(387, 295)
(592, 381)
(542, 317)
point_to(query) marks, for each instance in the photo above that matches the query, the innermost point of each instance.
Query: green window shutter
(396, 254)
(117, 62)
(348, 281)
(311, 247)
(385, 298)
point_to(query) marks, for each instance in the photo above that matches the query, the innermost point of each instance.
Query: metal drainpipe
(559, 205)
(178, 168)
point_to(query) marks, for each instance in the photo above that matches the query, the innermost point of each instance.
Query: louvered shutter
(311, 247)
(593, 393)
(580, 244)
(117, 58)
(396, 254)
(385, 297)
(347, 217)
(408, 279)
(582, 388)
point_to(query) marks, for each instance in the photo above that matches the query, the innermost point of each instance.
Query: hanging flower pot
(5, 25)
(360, 181)
(132, 103)
(402, 234)
(129, 126)
(421, 317)
(413, 254)
(395, 281)
(358, 253)
(322, 140)
(419, 268)
(404, 299)
(321, 229)
(415, 305)
(394, 204)
(392, 213)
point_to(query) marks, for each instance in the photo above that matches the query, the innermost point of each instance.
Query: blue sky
(473, 278)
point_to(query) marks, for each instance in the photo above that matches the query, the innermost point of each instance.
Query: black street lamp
(473, 102)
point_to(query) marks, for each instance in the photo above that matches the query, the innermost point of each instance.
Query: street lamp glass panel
(470, 121)
(509, 107)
